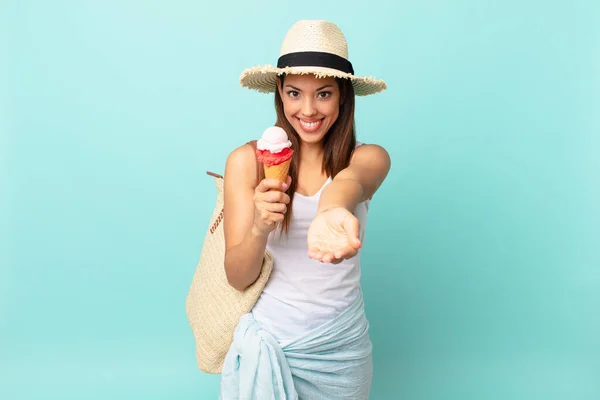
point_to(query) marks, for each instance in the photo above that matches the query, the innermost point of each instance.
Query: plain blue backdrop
(481, 269)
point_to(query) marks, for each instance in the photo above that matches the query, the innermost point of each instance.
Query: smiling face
(311, 105)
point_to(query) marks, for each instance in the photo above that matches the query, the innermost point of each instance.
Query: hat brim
(264, 78)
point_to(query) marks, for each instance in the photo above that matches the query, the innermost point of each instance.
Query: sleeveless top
(303, 293)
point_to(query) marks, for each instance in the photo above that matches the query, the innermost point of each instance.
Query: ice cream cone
(279, 172)
(274, 151)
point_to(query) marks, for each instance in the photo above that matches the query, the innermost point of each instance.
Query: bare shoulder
(373, 155)
(240, 168)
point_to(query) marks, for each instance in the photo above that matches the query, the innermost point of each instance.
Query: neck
(311, 152)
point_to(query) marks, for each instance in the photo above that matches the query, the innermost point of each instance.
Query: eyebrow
(299, 90)
(324, 87)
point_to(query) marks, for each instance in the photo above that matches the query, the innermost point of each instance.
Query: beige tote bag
(213, 307)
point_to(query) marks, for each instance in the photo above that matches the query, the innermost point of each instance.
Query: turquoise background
(482, 261)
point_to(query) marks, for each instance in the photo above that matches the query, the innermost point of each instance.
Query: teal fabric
(333, 361)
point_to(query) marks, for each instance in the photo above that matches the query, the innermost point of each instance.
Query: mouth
(310, 126)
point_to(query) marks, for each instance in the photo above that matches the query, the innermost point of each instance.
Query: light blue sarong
(333, 361)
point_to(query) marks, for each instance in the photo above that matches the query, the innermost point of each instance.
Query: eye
(324, 95)
(293, 93)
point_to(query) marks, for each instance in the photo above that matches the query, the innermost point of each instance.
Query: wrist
(341, 193)
(258, 233)
(323, 209)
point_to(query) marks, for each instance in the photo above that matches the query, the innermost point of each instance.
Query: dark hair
(338, 143)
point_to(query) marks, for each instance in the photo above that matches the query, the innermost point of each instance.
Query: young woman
(307, 336)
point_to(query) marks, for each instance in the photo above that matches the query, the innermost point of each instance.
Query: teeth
(310, 124)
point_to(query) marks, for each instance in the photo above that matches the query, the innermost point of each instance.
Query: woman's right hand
(270, 204)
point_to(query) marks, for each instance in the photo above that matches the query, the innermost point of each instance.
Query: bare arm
(250, 213)
(358, 182)
(334, 233)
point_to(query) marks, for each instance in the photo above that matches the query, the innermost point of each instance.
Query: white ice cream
(273, 139)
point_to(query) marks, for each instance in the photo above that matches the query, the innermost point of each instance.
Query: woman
(307, 336)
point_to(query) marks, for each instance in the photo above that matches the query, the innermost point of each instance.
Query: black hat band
(315, 59)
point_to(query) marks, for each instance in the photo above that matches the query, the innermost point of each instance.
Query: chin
(311, 139)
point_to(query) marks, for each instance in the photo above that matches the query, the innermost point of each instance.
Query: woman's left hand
(333, 236)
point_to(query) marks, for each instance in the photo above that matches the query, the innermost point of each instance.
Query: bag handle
(213, 174)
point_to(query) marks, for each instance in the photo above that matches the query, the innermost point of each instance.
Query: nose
(308, 107)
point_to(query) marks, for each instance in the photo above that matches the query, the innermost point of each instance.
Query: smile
(310, 126)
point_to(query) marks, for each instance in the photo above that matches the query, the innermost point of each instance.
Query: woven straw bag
(213, 307)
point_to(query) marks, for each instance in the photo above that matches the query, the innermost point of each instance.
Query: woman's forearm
(341, 192)
(243, 262)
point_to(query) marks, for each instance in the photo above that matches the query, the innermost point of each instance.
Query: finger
(277, 217)
(288, 181)
(275, 196)
(270, 217)
(352, 228)
(271, 184)
(327, 258)
(346, 252)
(316, 255)
(312, 251)
(275, 207)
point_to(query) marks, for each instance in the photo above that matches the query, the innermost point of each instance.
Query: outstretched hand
(333, 236)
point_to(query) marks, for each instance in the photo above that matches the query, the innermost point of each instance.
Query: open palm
(333, 236)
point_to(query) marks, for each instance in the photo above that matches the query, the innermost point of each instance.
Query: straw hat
(311, 47)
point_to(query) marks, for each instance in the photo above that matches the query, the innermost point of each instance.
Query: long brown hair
(338, 143)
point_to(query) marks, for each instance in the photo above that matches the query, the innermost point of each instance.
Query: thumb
(352, 228)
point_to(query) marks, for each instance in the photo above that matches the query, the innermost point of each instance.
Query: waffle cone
(279, 172)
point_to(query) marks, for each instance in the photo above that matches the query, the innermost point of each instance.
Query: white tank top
(303, 293)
